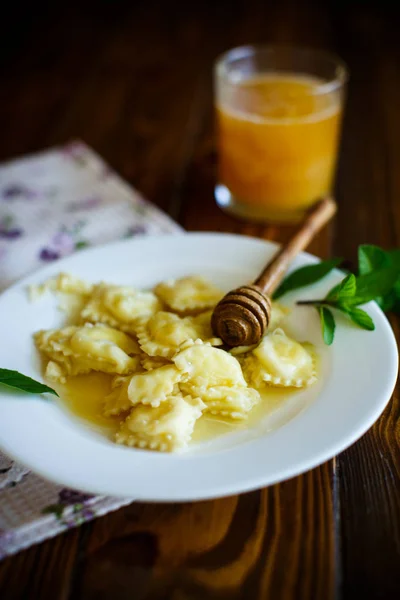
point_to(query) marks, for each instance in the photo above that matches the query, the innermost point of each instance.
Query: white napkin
(53, 204)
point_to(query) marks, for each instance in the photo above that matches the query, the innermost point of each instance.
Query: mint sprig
(306, 276)
(378, 280)
(16, 380)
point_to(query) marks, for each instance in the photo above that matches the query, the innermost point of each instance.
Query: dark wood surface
(133, 80)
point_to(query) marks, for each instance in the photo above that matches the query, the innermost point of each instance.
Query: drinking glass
(279, 113)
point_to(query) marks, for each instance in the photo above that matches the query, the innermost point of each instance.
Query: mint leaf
(344, 290)
(394, 256)
(306, 276)
(347, 287)
(361, 318)
(22, 382)
(375, 284)
(372, 257)
(328, 324)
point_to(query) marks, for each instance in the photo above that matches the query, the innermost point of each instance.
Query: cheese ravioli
(165, 332)
(166, 428)
(279, 360)
(119, 306)
(77, 350)
(188, 294)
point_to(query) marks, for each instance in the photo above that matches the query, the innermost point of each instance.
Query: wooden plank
(134, 81)
(369, 191)
(268, 543)
(43, 571)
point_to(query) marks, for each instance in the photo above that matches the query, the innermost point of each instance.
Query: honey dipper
(243, 315)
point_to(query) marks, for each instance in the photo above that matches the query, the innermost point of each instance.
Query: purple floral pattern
(88, 203)
(64, 242)
(134, 230)
(8, 229)
(17, 191)
(71, 508)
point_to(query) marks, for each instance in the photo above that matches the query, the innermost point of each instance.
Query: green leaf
(22, 382)
(328, 324)
(390, 301)
(306, 276)
(394, 256)
(375, 284)
(347, 287)
(345, 290)
(361, 318)
(81, 245)
(372, 257)
(54, 509)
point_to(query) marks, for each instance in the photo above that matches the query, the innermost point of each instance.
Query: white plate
(358, 375)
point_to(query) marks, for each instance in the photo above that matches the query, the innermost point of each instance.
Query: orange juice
(278, 137)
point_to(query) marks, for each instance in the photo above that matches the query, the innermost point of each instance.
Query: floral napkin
(51, 205)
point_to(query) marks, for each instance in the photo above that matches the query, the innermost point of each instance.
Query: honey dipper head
(242, 316)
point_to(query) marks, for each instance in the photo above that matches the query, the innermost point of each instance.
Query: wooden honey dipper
(243, 315)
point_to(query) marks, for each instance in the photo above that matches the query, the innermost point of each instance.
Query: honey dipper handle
(316, 218)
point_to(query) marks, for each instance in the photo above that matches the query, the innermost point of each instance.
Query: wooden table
(132, 79)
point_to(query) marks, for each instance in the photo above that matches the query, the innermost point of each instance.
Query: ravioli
(216, 377)
(117, 401)
(166, 428)
(279, 360)
(119, 306)
(167, 365)
(165, 332)
(225, 401)
(78, 350)
(188, 294)
(153, 387)
(63, 282)
(153, 362)
(205, 366)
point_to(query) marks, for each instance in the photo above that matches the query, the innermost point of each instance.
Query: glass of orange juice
(278, 124)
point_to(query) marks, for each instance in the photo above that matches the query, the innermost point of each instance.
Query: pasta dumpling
(206, 366)
(153, 387)
(165, 332)
(278, 313)
(226, 401)
(188, 294)
(79, 350)
(153, 362)
(63, 282)
(117, 401)
(166, 365)
(280, 360)
(166, 428)
(150, 387)
(119, 306)
(127, 304)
